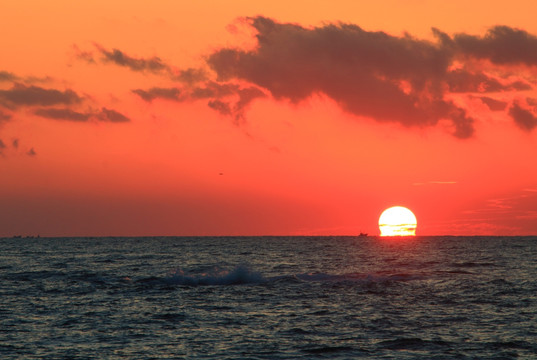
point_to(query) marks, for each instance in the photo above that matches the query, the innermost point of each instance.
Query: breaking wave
(242, 274)
(239, 275)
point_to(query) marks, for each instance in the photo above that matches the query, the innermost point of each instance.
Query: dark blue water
(269, 298)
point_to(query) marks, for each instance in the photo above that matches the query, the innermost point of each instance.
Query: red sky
(267, 117)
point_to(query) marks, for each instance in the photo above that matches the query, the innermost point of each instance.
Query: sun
(397, 221)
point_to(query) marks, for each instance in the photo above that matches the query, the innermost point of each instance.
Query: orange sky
(267, 117)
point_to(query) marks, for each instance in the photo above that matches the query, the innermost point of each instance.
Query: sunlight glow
(397, 221)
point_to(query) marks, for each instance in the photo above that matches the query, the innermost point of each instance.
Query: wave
(414, 344)
(239, 275)
(329, 349)
(356, 277)
(242, 274)
(472, 264)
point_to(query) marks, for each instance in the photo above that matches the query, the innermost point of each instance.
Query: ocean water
(269, 298)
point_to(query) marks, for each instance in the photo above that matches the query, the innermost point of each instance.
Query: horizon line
(31, 237)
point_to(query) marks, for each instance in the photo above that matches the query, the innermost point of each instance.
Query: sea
(277, 297)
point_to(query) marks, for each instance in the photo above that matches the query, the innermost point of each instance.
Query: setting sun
(397, 221)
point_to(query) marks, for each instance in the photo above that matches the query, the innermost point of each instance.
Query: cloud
(523, 118)
(464, 125)
(158, 93)
(7, 76)
(224, 108)
(493, 104)
(46, 100)
(371, 74)
(461, 80)
(14, 148)
(84, 55)
(228, 99)
(62, 114)
(500, 45)
(401, 79)
(106, 115)
(154, 64)
(246, 96)
(388, 78)
(213, 89)
(112, 116)
(191, 76)
(22, 95)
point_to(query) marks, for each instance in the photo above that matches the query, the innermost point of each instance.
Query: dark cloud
(191, 76)
(38, 79)
(369, 74)
(228, 99)
(22, 95)
(224, 108)
(500, 45)
(213, 89)
(520, 86)
(464, 127)
(7, 76)
(84, 55)
(158, 93)
(112, 116)
(246, 96)
(463, 81)
(373, 74)
(524, 118)
(493, 104)
(63, 114)
(15, 146)
(154, 64)
(104, 114)
(388, 78)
